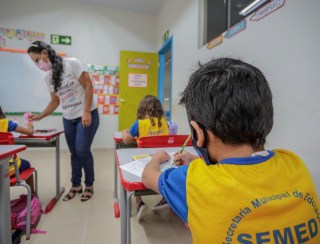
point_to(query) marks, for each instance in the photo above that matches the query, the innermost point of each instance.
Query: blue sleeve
(24, 165)
(12, 126)
(134, 130)
(172, 185)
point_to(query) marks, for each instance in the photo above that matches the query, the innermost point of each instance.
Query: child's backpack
(19, 213)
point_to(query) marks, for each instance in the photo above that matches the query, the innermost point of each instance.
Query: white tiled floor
(76, 222)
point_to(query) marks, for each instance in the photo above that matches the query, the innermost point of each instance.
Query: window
(219, 15)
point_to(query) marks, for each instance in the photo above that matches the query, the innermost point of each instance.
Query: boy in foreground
(236, 191)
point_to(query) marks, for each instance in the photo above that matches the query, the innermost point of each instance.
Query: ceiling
(142, 6)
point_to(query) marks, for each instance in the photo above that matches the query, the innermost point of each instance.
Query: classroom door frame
(166, 47)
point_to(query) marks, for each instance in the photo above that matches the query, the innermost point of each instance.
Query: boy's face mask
(201, 151)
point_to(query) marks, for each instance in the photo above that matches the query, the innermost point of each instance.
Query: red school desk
(6, 153)
(132, 184)
(118, 143)
(50, 138)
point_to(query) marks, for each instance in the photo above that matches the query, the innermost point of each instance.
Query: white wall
(284, 45)
(98, 34)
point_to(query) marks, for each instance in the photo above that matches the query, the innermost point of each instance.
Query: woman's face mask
(38, 59)
(44, 66)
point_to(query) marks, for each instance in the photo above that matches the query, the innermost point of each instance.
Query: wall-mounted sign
(60, 40)
(215, 42)
(236, 29)
(139, 63)
(267, 9)
(137, 80)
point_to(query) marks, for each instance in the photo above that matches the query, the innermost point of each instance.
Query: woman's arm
(85, 81)
(52, 105)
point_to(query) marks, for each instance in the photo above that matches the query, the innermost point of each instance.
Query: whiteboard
(22, 84)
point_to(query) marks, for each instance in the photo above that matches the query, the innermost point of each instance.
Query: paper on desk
(136, 167)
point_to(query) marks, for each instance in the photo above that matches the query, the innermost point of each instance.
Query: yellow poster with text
(138, 78)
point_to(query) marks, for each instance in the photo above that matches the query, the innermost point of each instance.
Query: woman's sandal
(72, 193)
(87, 194)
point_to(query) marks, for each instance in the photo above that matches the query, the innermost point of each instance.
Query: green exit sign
(60, 40)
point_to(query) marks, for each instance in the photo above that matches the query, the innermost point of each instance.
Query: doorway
(165, 77)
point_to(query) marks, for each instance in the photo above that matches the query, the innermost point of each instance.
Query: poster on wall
(2, 42)
(267, 9)
(236, 29)
(137, 80)
(20, 34)
(105, 82)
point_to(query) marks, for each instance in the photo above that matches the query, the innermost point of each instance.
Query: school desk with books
(45, 138)
(131, 184)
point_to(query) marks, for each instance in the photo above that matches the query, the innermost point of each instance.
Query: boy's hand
(184, 158)
(160, 157)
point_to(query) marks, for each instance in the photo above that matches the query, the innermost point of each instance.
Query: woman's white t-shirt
(71, 92)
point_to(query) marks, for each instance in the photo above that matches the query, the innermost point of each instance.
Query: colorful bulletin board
(105, 81)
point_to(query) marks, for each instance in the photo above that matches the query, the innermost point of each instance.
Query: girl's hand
(184, 158)
(86, 119)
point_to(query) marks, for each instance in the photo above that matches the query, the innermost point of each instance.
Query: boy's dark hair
(56, 61)
(232, 99)
(150, 105)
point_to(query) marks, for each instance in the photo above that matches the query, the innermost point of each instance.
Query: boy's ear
(199, 132)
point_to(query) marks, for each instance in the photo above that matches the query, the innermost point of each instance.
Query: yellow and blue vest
(7, 125)
(248, 200)
(143, 127)
(4, 124)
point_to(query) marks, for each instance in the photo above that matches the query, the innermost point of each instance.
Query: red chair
(163, 141)
(20, 178)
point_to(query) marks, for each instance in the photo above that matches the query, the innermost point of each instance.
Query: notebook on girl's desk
(136, 167)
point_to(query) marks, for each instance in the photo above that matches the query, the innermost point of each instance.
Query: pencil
(183, 146)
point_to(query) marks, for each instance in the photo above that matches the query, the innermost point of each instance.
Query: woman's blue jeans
(79, 140)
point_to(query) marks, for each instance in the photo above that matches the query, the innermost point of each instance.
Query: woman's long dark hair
(150, 105)
(56, 61)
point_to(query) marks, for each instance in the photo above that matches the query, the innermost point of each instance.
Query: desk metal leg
(129, 195)
(123, 216)
(5, 223)
(115, 183)
(59, 190)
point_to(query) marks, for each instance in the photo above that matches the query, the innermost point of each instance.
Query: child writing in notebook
(236, 191)
(7, 125)
(150, 122)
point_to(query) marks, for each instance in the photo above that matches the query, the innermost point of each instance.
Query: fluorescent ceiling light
(251, 7)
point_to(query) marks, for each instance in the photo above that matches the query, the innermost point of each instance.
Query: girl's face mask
(202, 151)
